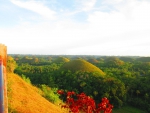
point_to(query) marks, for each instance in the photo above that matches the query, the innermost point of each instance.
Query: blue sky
(76, 27)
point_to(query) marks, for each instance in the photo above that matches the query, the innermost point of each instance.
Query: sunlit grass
(25, 98)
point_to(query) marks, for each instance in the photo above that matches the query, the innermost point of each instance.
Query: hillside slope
(81, 65)
(25, 98)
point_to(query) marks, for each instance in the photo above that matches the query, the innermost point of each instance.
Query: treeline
(126, 80)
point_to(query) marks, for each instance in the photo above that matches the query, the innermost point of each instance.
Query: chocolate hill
(81, 65)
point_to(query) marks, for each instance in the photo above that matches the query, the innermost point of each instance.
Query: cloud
(124, 30)
(113, 2)
(120, 30)
(132, 16)
(86, 5)
(37, 7)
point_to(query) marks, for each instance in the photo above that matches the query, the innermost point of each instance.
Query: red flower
(60, 92)
(85, 103)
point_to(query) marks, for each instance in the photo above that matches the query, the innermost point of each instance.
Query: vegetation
(25, 98)
(82, 103)
(123, 80)
(61, 60)
(11, 64)
(50, 93)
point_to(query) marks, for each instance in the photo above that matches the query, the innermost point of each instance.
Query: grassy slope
(25, 98)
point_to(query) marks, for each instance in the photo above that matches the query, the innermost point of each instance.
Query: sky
(76, 27)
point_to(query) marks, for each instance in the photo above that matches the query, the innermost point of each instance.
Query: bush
(26, 79)
(82, 103)
(50, 93)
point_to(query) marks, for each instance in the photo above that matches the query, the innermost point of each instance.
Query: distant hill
(61, 60)
(93, 61)
(127, 59)
(81, 65)
(25, 98)
(143, 59)
(113, 62)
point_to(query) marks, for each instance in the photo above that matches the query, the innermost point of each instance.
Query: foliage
(11, 64)
(27, 79)
(126, 80)
(85, 103)
(95, 86)
(38, 74)
(50, 93)
(128, 109)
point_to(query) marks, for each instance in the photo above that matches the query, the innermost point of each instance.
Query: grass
(81, 65)
(25, 98)
(128, 109)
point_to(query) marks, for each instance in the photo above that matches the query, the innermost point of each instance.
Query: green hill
(113, 62)
(144, 59)
(93, 60)
(61, 60)
(81, 65)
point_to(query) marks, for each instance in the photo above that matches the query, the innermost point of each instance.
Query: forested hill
(123, 80)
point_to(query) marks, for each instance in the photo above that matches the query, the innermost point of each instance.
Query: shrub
(50, 93)
(82, 103)
(26, 79)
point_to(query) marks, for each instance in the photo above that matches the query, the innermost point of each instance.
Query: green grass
(81, 65)
(128, 109)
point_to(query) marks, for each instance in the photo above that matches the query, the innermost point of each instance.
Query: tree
(146, 96)
(11, 64)
(137, 92)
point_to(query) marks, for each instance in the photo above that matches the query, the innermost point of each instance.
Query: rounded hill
(113, 62)
(81, 65)
(93, 61)
(61, 60)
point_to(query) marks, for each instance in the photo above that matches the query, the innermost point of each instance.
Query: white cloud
(114, 2)
(86, 5)
(133, 16)
(122, 31)
(37, 7)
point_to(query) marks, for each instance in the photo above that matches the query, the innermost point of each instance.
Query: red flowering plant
(84, 103)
